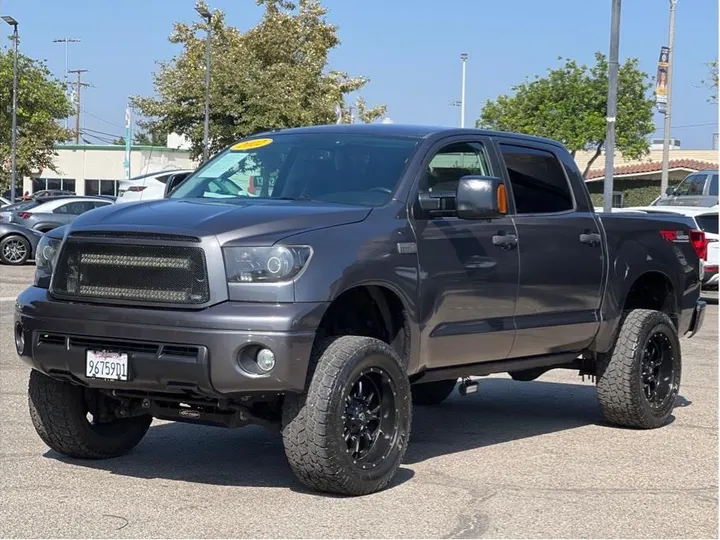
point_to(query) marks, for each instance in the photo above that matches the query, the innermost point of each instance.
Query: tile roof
(653, 166)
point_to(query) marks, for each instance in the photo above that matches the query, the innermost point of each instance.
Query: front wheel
(59, 412)
(348, 433)
(638, 382)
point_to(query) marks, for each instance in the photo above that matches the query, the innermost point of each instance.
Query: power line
(103, 120)
(102, 132)
(695, 125)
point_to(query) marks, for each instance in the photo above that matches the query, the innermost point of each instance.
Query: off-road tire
(619, 383)
(59, 414)
(15, 238)
(312, 422)
(432, 393)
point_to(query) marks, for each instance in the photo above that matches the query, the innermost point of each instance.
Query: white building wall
(96, 162)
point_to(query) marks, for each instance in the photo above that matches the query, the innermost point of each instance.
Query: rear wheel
(14, 250)
(59, 412)
(639, 381)
(432, 393)
(349, 431)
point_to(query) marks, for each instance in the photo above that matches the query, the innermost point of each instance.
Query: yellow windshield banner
(249, 145)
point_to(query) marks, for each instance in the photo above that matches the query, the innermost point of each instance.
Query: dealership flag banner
(661, 79)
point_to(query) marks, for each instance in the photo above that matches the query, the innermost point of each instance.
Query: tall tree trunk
(598, 151)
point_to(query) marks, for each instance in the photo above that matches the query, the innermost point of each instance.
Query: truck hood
(228, 220)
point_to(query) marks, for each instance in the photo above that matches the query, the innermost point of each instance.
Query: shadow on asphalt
(503, 410)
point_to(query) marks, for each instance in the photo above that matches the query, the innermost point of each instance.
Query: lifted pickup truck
(370, 269)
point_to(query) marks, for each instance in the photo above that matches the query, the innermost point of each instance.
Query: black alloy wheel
(370, 424)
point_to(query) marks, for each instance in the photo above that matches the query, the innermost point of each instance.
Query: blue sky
(410, 49)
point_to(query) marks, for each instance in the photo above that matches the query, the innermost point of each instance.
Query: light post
(666, 129)
(204, 13)
(13, 163)
(463, 57)
(613, 67)
(67, 82)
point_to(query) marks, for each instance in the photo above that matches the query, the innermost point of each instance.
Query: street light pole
(13, 163)
(208, 17)
(666, 129)
(613, 66)
(463, 57)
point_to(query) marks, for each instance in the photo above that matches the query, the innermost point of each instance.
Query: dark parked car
(375, 266)
(17, 244)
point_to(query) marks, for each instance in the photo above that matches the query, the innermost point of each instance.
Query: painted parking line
(8, 298)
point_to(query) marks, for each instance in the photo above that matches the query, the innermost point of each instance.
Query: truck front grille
(153, 274)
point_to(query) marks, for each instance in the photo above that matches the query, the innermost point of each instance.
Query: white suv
(147, 187)
(705, 219)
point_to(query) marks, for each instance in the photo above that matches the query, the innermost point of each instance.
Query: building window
(64, 184)
(101, 187)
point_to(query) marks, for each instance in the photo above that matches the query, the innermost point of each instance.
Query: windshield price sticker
(249, 145)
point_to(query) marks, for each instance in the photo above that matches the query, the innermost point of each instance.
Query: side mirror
(480, 197)
(174, 181)
(670, 191)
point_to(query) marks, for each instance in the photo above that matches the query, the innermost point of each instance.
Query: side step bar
(563, 360)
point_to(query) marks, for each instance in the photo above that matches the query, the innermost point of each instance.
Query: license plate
(111, 366)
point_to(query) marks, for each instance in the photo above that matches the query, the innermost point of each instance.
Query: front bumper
(697, 320)
(176, 351)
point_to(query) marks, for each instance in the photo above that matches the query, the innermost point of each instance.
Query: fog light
(19, 339)
(265, 359)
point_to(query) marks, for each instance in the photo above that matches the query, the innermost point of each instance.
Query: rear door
(560, 248)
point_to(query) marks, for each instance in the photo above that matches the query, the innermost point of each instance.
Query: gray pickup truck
(323, 281)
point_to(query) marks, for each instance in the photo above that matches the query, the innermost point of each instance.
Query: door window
(537, 179)
(451, 163)
(692, 185)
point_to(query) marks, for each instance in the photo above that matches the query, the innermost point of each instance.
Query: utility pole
(13, 162)
(67, 91)
(463, 57)
(666, 129)
(78, 84)
(613, 66)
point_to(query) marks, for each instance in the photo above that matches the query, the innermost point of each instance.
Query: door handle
(503, 240)
(591, 239)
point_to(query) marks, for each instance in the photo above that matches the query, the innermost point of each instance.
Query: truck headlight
(45, 257)
(265, 264)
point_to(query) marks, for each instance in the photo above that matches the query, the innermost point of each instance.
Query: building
(96, 169)
(637, 182)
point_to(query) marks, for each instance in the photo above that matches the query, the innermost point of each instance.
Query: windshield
(708, 223)
(336, 168)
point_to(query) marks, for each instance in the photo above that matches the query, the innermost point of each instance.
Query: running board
(551, 361)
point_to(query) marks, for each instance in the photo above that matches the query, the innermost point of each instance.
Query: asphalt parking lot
(516, 460)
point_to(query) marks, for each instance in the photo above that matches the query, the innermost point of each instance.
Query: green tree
(569, 104)
(712, 82)
(272, 76)
(41, 103)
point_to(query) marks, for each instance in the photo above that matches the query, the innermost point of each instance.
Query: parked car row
(22, 224)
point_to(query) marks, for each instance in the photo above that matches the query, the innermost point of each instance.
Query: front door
(468, 282)
(561, 253)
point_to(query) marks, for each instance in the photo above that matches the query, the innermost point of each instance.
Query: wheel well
(371, 311)
(652, 290)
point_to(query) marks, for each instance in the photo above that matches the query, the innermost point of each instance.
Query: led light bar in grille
(145, 294)
(136, 261)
